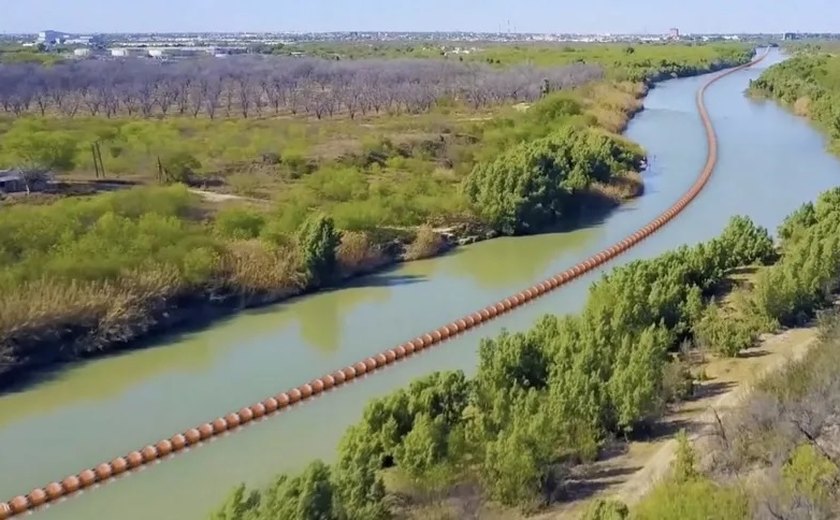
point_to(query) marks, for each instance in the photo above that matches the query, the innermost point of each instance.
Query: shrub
(239, 223)
(426, 243)
(318, 241)
(606, 510)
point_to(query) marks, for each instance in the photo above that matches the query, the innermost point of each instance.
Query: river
(770, 163)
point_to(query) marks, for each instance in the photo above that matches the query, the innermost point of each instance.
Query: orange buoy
(119, 465)
(318, 386)
(409, 348)
(349, 373)
(271, 405)
(305, 390)
(87, 478)
(339, 377)
(71, 484)
(103, 471)
(192, 435)
(360, 367)
(5, 510)
(390, 356)
(370, 364)
(258, 409)
(164, 447)
(178, 441)
(246, 415)
(284, 399)
(294, 394)
(381, 359)
(134, 459)
(206, 431)
(150, 453)
(329, 382)
(37, 497)
(54, 492)
(399, 351)
(19, 504)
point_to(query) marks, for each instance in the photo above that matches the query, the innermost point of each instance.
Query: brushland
(808, 83)
(83, 275)
(777, 453)
(544, 401)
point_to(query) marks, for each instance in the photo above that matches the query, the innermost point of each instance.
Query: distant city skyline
(541, 16)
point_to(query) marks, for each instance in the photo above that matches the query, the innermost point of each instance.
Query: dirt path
(632, 472)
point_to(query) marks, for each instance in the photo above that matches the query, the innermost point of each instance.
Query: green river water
(770, 163)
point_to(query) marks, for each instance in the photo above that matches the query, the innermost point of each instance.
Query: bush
(531, 186)
(724, 333)
(357, 253)
(318, 241)
(606, 510)
(239, 224)
(426, 243)
(179, 167)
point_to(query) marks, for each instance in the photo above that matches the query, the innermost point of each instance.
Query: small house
(15, 181)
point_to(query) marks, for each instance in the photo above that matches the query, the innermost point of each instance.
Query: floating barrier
(107, 471)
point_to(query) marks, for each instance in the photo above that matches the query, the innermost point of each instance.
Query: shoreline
(191, 312)
(233, 421)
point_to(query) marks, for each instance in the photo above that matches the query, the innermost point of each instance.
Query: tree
(34, 149)
(318, 241)
(180, 167)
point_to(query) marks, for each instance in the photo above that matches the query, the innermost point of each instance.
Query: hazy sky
(596, 16)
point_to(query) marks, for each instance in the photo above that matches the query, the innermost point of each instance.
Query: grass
(84, 274)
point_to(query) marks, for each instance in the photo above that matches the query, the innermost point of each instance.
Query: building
(14, 181)
(50, 37)
(84, 52)
(674, 33)
(127, 52)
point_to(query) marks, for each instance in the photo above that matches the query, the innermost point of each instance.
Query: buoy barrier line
(178, 443)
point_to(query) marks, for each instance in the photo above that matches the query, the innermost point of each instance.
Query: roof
(10, 175)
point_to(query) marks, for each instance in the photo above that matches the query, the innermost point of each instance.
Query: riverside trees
(545, 399)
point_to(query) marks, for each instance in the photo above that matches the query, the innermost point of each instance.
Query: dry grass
(623, 186)
(426, 243)
(357, 254)
(802, 106)
(612, 105)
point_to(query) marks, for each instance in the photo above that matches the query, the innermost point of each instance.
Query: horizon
(470, 16)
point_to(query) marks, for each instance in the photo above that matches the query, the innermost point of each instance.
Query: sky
(553, 16)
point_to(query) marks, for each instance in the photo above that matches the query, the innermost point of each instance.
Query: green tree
(318, 241)
(31, 148)
(239, 223)
(180, 167)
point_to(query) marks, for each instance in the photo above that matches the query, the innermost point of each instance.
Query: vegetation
(83, 276)
(545, 400)
(810, 84)
(634, 63)
(776, 457)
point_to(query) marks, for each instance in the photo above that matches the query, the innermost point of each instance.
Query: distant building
(127, 52)
(50, 37)
(674, 33)
(84, 52)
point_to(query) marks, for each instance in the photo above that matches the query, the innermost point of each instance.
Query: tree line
(546, 399)
(248, 86)
(809, 82)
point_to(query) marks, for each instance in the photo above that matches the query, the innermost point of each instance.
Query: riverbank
(807, 84)
(63, 324)
(196, 309)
